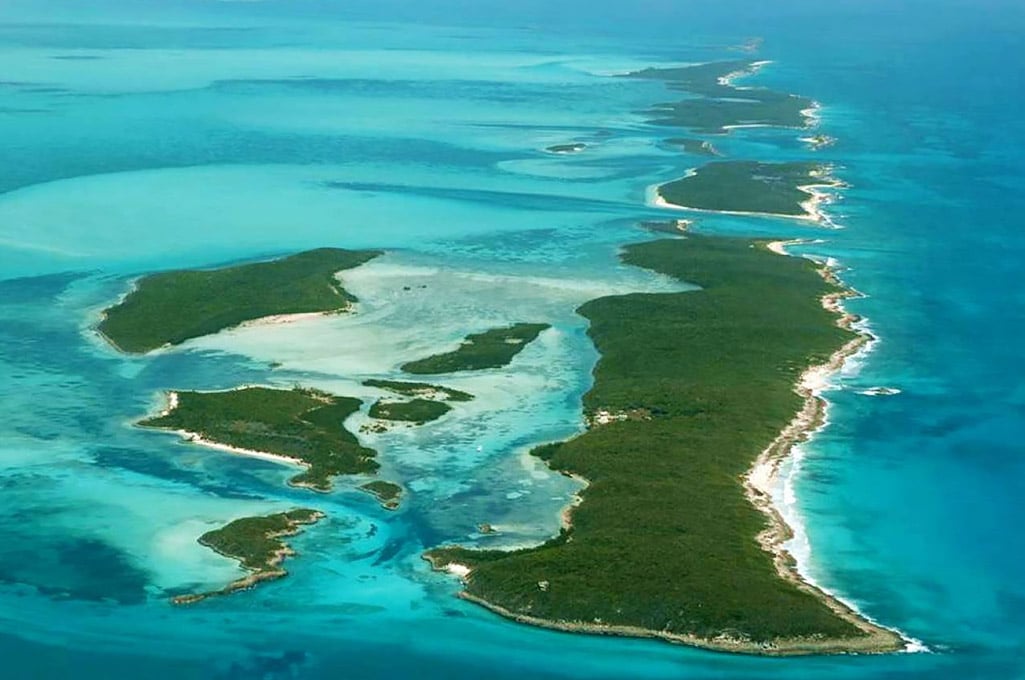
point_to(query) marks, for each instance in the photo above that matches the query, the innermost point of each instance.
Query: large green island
(671, 537)
(172, 307)
(301, 426)
(751, 187)
(715, 105)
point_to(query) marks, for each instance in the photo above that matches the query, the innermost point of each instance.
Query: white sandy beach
(196, 438)
(817, 197)
(280, 319)
(811, 207)
(774, 495)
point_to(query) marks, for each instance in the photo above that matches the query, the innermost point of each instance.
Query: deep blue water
(137, 136)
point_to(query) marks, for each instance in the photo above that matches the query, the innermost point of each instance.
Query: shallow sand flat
(143, 71)
(391, 325)
(149, 519)
(514, 407)
(246, 211)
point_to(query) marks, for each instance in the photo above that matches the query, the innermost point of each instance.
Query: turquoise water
(136, 137)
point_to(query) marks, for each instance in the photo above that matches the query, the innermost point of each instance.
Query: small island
(575, 147)
(419, 389)
(492, 349)
(816, 142)
(387, 493)
(880, 391)
(693, 403)
(256, 543)
(715, 105)
(751, 187)
(671, 227)
(416, 411)
(695, 147)
(169, 308)
(297, 426)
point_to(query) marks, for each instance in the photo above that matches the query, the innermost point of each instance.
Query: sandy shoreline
(108, 342)
(282, 319)
(566, 515)
(812, 206)
(659, 202)
(197, 438)
(763, 476)
(271, 571)
(796, 647)
(812, 115)
(751, 69)
(758, 484)
(272, 320)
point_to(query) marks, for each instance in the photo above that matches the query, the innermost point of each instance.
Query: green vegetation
(172, 307)
(746, 186)
(816, 142)
(575, 147)
(492, 349)
(417, 411)
(664, 540)
(387, 493)
(696, 147)
(714, 104)
(674, 227)
(419, 389)
(256, 543)
(301, 424)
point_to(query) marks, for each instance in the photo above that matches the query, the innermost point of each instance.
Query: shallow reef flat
(716, 105)
(690, 390)
(172, 307)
